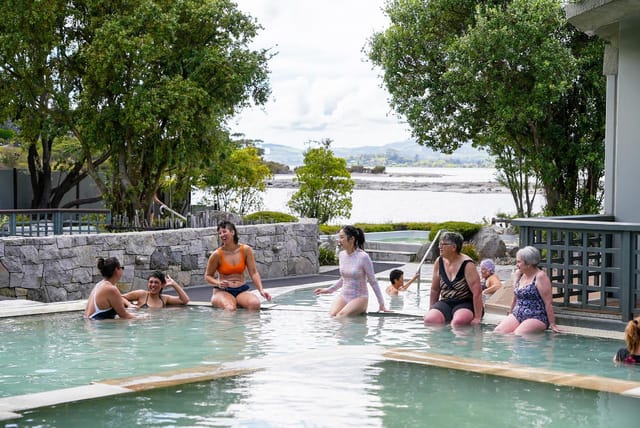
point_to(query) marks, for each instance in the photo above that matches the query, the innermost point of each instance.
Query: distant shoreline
(364, 184)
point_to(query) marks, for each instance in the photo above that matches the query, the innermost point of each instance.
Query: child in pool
(396, 277)
(631, 353)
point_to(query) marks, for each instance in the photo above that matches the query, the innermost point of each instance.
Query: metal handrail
(435, 239)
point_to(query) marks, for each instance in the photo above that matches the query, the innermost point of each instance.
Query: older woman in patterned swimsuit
(531, 308)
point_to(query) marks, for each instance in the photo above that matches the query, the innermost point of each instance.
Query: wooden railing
(592, 261)
(56, 221)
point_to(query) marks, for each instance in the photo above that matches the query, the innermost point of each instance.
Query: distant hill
(406, 153)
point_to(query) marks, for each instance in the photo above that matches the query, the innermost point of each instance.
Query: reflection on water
(303, 386)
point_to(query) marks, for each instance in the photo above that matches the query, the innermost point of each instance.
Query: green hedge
(269, 217)
(467, 230)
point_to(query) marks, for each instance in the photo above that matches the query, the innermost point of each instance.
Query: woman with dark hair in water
(152, 297)
(105, 300)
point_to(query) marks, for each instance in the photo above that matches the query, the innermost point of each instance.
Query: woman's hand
(556, 329)
(318, 291)
(266, 295)
(169, 281)
(382, 308)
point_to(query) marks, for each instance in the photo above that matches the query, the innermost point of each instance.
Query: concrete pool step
(392, 256)
(405, 252)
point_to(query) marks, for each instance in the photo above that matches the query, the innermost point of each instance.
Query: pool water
(406, 236)
(43, 353)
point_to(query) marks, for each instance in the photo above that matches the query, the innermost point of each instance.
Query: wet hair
(159, 275)
(230, 226)
(488, 265)
(108, 266)
(529, 255)
(395, 275)
(632, 335)
(454, 238)
(356, 233)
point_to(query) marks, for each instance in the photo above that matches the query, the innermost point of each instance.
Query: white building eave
(601, 17)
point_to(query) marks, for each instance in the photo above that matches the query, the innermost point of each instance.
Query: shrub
(467, 230)
(470, 250)
(326, 257)
(269, 217)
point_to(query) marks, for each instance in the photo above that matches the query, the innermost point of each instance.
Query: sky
(322, 84)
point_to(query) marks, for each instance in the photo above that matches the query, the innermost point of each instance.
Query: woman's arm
(367, 265)
(117, 303)
(544, 288)
(434, 295)
(135, 295)
(493, 284)
(212, 267)
(181, 299)
(473, 281)
(253, 272)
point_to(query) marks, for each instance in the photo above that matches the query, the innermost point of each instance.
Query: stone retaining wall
(63, 267)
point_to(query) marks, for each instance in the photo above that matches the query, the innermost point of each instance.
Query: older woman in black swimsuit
(456, 293)
(152, 297)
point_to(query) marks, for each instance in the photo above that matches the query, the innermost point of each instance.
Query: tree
(37, 88)
(146, 84)
(160, 80)
(237, 185)
(511, 76)
(325, 185)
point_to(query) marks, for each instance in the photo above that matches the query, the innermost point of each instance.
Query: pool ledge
(514, 371)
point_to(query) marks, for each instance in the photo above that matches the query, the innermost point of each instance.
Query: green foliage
(329, 229)
(149, 84)
(326, 257)
(6, 134)
(470, 250)
(236, 184)
(278, 168)
(269, 217)
(325, 185)
(513, 77)
(467, 230)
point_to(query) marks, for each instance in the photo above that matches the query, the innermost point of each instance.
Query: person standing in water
(356, 269)
(225, 271)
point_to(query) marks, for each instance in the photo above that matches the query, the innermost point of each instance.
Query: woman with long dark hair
(356, 269)
(225, 271)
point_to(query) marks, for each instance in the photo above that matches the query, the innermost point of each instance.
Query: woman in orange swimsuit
(225, 271)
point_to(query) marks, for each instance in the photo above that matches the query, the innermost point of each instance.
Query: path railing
(55, 221)
(593, 263)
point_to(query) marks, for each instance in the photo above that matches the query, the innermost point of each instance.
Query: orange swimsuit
(228, 269)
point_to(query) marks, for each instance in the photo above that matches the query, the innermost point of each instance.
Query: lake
(395, 206)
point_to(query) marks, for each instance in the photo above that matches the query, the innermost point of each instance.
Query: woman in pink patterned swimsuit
(356, 269)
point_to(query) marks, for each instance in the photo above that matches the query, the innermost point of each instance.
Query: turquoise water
(56, 351)
(402, 236)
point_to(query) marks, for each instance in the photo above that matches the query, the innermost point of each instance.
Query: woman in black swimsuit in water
(105, 300)
(152, 297)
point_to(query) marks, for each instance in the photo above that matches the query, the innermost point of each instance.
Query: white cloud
(322, 85)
